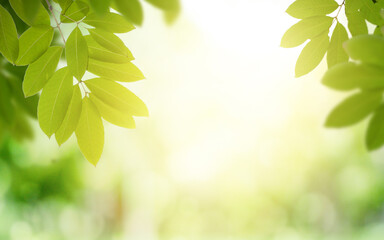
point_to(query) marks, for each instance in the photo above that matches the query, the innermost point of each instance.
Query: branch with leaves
(69, 103)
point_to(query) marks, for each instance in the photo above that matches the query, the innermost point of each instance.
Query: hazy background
(234, 147)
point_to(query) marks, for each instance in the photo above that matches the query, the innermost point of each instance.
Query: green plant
(365, 71)
(69, 103)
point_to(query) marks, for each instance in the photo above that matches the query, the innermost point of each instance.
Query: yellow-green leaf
(39, 72)
(90, 132)
(354, 109)
(23, 11)
(308, 8)
(349, 75)
(54, 101)
(75, 12)
(33, 43)
(64, 4)
(71, 118)
(306, 29)
(110, 22)
(366, 48)
(9, 43)
(97, 52)
(352, 6)
(374, 138)
(76, 52)
(125, 72)
(312, 55)
(131, 9)
(113, 115)
(357, 24)
(371, 12)
(117, 96)
(101, 7)
(336, 53)
(109, 41)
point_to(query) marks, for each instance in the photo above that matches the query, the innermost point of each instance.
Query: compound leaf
(113, 115)
(366, 48)
(33, 43)
(54, 101)
(97, 52)
(354, 109)
(336, 54)
(117, 96)
(90, 132)
(76, 52)
(39, 72)
(9, 43)
(312, 55)
(308, 8)
(110, 22)
(125, 72)
(305, 29)
(349, 75)
(71, 118)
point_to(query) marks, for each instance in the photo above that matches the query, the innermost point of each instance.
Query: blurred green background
(234, 147)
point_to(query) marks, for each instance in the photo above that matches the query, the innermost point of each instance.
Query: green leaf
(312, 55)
(366, 48)
(306, 29)
(352, 6)
(371, 12)
(90, 132)
(64, 4)
(377, 31)
(75, 12)
(357, 24)
(71, 118)
(348, 76)
(110, 41)
(33, 43)
(100, 7)
(336, 54)
(6, 109)
(167, 5)
(9, 43)
(354, 109)
(76, 52)
(110, 22)
(39, 72)
(22, 9)
(308, 8)
(97, 52)
(54, 101)
(126, 72)
(374, 138)
(117, 96)
(131, 10)
(112, 115)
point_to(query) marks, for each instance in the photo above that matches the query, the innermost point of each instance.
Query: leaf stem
(54, 17)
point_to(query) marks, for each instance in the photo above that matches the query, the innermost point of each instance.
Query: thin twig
(54, 17)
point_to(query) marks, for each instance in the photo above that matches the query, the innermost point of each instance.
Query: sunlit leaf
(75, 12)
(336, 53)
(357, 24)
(312, 55)
(76, 52)
(371, 12)
(352, 6)
(110, 22)
(113, 115)
(348, 76)
(354, 109)
(71, 118)
(39, 72)
(131, 10)
(308, 8)
(96, 51)
(54, 101)
(125, 72)
(90, 132)
(9, 43)
(374, 138)
(22, 9)
(110, 41)
(100, 7)
(167, 5)
(117, 96)
(64, 4)
(33, 43)
(366, 48)
(305, 29)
